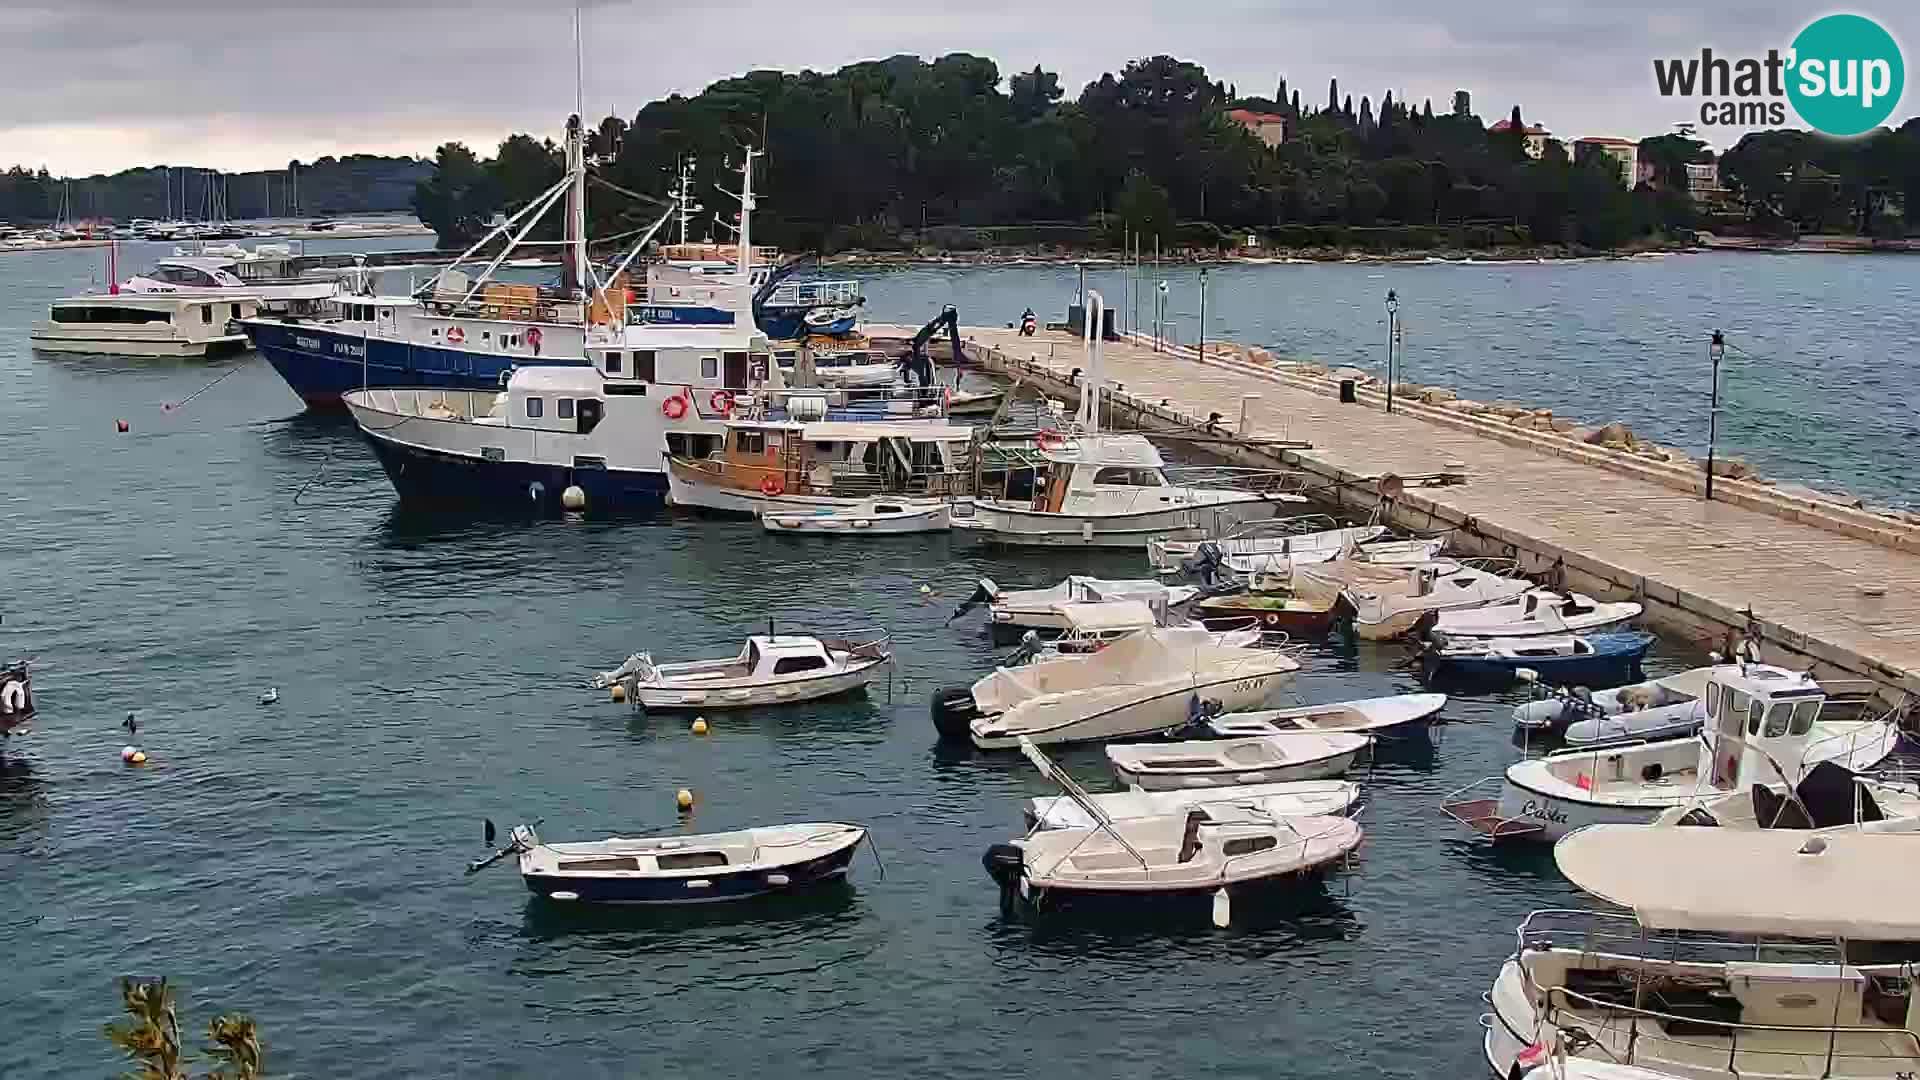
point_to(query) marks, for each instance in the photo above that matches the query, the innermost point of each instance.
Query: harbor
(658, 637)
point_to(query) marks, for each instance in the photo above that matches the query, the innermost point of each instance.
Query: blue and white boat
(1593, 660)
(682, 869)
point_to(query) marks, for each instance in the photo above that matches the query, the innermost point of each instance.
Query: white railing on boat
(814, 294)
(1238, 478)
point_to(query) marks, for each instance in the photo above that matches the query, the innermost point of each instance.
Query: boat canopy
(1145, 657)
(1776, 883)
(1106, 617)
(927, 431)
(1133, 451)
(556, 379)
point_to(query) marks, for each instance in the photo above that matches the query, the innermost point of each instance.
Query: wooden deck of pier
(1700, 566)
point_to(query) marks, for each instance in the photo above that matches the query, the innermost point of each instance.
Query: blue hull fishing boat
(1591, 660)
(680, 869)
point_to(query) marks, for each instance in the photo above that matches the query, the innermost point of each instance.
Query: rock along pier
(1820, 585)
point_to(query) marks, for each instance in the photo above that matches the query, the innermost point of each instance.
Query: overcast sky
(99, 85)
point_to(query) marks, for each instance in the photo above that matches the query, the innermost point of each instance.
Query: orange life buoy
(722, 402)
(771, 484)
(675, 407)
(456, 335)
(533, 336)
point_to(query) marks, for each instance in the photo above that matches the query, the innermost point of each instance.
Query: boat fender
(953, 709)
(533, 338)
(722, 402)
(771, 484)
(13, 697)
(674, 407)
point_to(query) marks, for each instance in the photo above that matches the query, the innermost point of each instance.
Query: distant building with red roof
(1536, 136)
(1269, 128)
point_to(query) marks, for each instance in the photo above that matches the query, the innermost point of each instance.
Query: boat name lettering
(345, 349)
(1250, 684)
(1543, 811)
(307, 342)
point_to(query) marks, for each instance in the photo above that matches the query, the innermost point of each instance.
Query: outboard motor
(1205, 565)
(1005, 864)
(1030, 645)
(1029, 323)
(953, 711)
(983, 593)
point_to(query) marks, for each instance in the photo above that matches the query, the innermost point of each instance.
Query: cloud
(103, 84)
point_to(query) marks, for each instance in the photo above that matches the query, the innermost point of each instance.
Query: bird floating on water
(272, 695)
(132, 725)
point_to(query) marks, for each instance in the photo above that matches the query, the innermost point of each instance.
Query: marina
(458, 642)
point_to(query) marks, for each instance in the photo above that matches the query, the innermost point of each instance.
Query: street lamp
(1159, 315)
(1716, 349)
(1393, 341)
(1203, 313)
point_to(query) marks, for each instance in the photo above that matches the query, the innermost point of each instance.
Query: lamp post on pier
(1716, 348)
(1393, 341)
(1203, 313)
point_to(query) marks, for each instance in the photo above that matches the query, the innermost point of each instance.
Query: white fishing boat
(1267, 546)
(1672, 706)
(1367, 716)
(130, 324)
(875, 516)
(1294, 798)
(1145, 682)
(1208, 855)
(1016, 610)
(1763, 725)
(1258, 759)
(769, 670)
(1740, 953)
(681, 868)
(1390, 602)
(1826, 797)
(1091, 627)
(1536, 613)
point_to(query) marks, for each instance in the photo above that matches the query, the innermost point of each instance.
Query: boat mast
(1095, 315)
(574, 264)
(744, 271)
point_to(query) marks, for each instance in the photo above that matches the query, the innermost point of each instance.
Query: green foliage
(888, 154)
(150, 1038)
(356, 183)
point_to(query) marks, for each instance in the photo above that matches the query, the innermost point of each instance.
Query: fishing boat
(1266, 546)
(1672, 706)
(1723, 954)
(1391, 601)
(682, 868)
(1568, 660)
(1276, 610)
(135, 324)
(1258, 759)
(1092, 627)
(876, 516)
(1210, 855)
(16, 697)
(1294, 798)
(1828, 796)
(770, 669)
(1382, 716)
(1764, 724)
(1145, 682)
(1536, 613)
(791, 466)
(1011, 611)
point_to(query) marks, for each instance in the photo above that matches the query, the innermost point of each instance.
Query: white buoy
(272, 695)
(127, 752)
(574, 498)
(1222, 908)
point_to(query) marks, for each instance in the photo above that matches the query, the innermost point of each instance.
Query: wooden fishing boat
(683, 869)
(867, 517)
(1369, 716)
(1295, 798)
(1582, 660)
(1537, 613)
(1260, 759)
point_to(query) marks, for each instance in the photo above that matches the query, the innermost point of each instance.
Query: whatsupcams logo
(1843, 75)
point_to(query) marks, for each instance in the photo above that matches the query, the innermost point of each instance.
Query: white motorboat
(1258, 759)
(1091, 627)
(866, 517)
(1672, 706)
(1293, 798)
(1740, 953)
(769, 670)
(1144, 682)
(266, 276)
(1206, 854)
(1826, 797)
(132, 324)
(1016, 610)
(1368, 716)
(1266, 546)
(1763, 725)
(682, 868)
(1390, 602)
(1536, 613)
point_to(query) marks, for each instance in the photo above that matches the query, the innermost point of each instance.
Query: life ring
(722, 402)
(675, 407)
(13, 697)
(533, 336)
(1050, 440)
(771, 484)
(456, 335)
(1272, 619)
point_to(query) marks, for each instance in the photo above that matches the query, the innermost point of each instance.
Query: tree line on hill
(888, 153)
(353, 184)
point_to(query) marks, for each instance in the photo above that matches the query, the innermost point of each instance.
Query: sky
(99, 85)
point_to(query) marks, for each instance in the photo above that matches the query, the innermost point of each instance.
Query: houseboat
(129, 324)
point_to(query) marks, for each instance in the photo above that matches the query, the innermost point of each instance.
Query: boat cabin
(1087, 474)
(838, 458)
(770, 656)
(188, 272)
(1757, 712)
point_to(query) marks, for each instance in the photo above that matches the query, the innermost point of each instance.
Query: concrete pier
(1822, 587)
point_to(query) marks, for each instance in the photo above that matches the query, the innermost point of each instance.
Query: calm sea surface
(303, 861)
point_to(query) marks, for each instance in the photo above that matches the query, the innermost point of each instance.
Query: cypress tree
(1333, 95)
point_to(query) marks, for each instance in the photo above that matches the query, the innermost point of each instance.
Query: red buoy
(122, 425)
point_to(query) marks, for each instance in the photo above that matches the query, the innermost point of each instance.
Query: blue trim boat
(1591, 660)
(680, 869)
